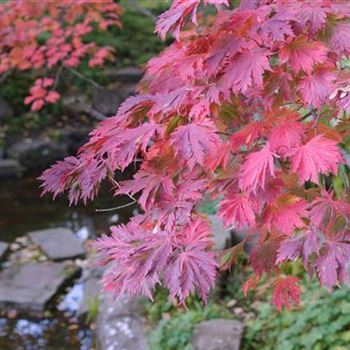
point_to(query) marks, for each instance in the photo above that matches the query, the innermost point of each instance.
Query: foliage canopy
(250, 106)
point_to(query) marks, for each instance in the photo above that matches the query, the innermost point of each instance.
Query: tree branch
(83, 77)
(116, 208)
(143, 10)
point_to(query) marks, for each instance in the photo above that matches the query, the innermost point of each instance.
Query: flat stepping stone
(119, 325)
(9, 168)
(217, 335)
(4, 248)
(221, 235)
(31, 287)
(58, 243)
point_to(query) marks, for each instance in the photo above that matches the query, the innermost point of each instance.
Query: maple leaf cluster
(50, 35)
(250, 107)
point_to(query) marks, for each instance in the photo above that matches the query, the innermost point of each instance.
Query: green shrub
(175, 332)
(322, 323)
(174, 325)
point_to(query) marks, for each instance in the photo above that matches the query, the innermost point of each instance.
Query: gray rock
(58, 243)
(127, 74)
(75, 138)
(119, 326)
(32, 287)
(4, 248)
(9, 168)
(37, 154)
(6, 110)
(217, 335)
(74, 105)
(107, 101)
(221, 236)
(91, 290)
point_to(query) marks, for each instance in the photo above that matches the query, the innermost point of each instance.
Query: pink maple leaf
(192, 267)
(310, 15)
(333, 262)
(154, 186)
(123, 145)
(37, 104)
(246, 70)
(247, 135)
(302, 54)
(286, 292)
(174, 19)
(286, 215)
(222, 51)
(52, 97)
(303, 245)
(256, 168)
(315, 89)
(237, 210)
(263, 256)
(319, 156)
(340, 40)
(57, 178)
(286, 135)
(192, 141)
(137, 258)
(324, 209)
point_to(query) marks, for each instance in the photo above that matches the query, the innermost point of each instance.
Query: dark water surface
(23, 210)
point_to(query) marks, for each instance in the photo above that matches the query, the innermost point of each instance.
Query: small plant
(175, 332)
(93, 309)
(321, 323)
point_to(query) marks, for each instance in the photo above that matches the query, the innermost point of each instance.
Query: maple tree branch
(4, 76)
(94, 113)
(83, 77)
(57, 77)
(116, 208)
(143, 10)
(116, 183)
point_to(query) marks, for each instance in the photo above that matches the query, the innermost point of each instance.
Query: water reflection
(73, 299)
(22, 211)
(47, 334)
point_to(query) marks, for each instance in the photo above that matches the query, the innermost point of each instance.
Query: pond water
(22, 211)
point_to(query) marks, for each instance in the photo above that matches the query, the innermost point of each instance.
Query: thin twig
(94, 113)
(57, 78)
(4, 76)
(116, 208)
(143, 10)
(82, 76)
(117, 184)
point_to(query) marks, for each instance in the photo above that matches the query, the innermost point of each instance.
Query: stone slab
(91, 292)
(9, 168)
(127, 74)
(37, 154)
(31, 287)
(58, 243)
(217, 335)
(221, 236)
(4, 248)
(119, 325)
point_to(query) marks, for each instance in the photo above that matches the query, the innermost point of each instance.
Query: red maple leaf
(256, 168)
(191, 142)
(303, 54)
(286, 291)
(318, 156)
